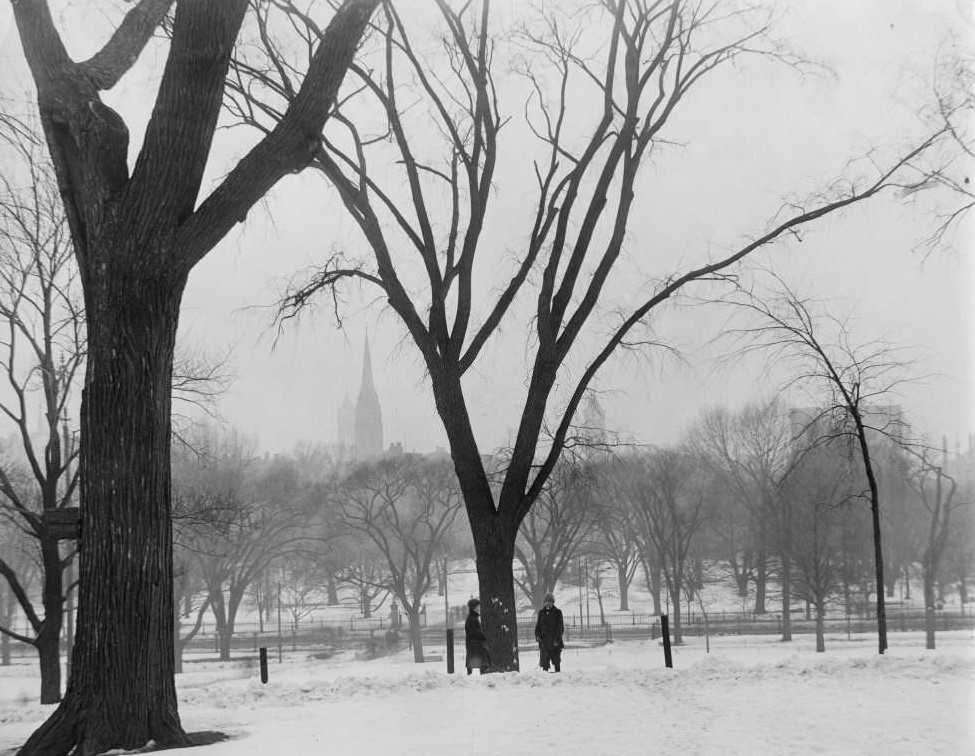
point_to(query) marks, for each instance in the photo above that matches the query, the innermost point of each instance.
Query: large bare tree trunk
(494, 547)
(137, 232)
(122, 690)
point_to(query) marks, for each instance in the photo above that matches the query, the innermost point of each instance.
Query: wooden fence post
(665, 632)
(450, 651)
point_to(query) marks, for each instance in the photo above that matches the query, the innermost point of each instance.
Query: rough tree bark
(136, 238)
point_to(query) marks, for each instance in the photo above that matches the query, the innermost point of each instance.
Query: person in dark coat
(548, 633)
(475, 640)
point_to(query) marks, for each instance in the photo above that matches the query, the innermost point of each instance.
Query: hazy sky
(751, 138)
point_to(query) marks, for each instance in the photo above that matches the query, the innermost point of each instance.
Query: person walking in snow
(548, 634)
(475, 640)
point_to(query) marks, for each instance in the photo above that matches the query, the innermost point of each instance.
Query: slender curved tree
(138, 230)
(850, 383)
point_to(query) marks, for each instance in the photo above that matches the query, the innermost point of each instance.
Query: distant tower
(368, 414)
(346, 417)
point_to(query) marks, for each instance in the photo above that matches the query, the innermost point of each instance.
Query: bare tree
(670, 513)
(41, 351)
(948, 170)
(595, 579)
(960, 550)
(901, 516)
(753, 452)
(851, 383)
(621, 481)
(43, 356)
(405, 506)
(631, 64)
(367, 576)
(820, 491)
(614, 538)
(248, 515)
(137, 232)
(300, 583)
(190, 597)
(554, 529)
(21, 561)
(733, 543)
(935, 490)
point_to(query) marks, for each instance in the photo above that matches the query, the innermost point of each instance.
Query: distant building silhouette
(368, 413)
(360, 427)
(346, 419)
(593, 426)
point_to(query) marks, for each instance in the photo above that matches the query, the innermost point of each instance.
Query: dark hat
(473, 602)
(549, 597)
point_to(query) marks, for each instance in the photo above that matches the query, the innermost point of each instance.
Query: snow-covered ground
(750, 696)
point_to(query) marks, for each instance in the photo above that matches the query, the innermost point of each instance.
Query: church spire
(367, 386)
(368, 413)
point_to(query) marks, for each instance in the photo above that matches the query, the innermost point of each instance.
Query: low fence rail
(617, 626)
(371, 637)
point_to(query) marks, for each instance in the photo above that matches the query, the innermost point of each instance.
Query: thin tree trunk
(416, 635)
(652, 577)
(224, 637)
(178, 646)
(49, 638)
(820, 627)
(929, 600)
(761, 578)
(786, 598)
(676, 627)
(741, 580)
(657, 587)
(878, 549)
(624, 586)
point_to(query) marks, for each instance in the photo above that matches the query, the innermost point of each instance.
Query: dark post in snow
(665, 632)
(280, 646)
(450, 651)
(263, 653)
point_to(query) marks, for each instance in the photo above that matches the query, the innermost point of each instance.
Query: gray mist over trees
(429, 129)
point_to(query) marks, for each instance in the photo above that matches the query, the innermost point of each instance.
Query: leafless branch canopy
(603, 81)
(947, 170)
(42, 346)
(820, 354)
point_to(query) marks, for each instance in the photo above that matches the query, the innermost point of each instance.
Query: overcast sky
(750, 139)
